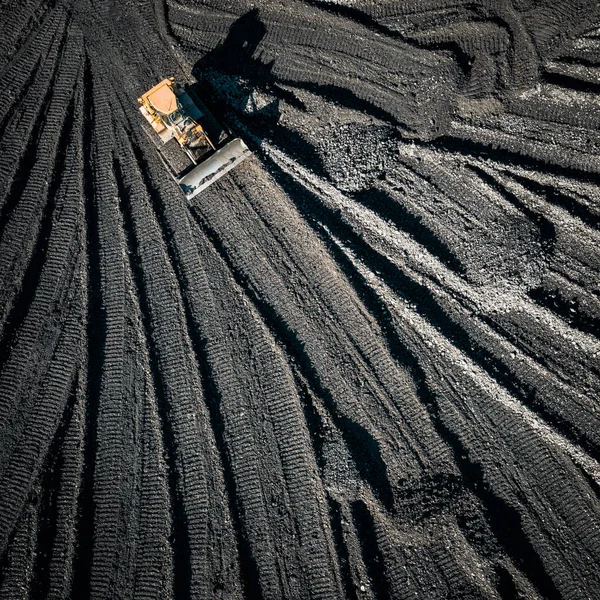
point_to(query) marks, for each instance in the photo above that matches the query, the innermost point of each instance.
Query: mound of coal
(364, 364)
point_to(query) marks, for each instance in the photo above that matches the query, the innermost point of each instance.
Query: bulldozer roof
(161, 97)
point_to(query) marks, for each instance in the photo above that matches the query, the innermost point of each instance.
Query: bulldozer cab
(161, 97)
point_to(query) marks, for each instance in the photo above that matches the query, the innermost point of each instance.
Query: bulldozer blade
(213, 168)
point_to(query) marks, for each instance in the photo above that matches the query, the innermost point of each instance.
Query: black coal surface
(364, 364)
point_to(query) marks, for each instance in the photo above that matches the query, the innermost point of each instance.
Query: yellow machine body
(164, 106)
(169, 109)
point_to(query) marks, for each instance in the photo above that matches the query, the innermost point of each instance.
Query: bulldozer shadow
(234, 77)
(238, 85)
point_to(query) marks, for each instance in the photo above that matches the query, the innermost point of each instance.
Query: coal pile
(365, 364)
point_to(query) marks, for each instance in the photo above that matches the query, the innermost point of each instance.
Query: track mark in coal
(569, 309)
(547, 230)
(389, 209)
(365, 527)
(50, 485)
(553, 196)
(404, 356)
(427, 305)
(497, 510)
(32, 273)
(335, 516)
(19, 181)
(10, 112)
(96, 339)
(362, 445)
(248, 564)
(180, 535)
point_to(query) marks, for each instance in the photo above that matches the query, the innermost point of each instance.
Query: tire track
(28, 127)
(457, 321)
(530, 562)
(53, 289)
(239, 432)
(323, 387)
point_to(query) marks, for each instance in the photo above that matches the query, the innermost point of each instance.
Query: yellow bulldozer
(185, 147)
